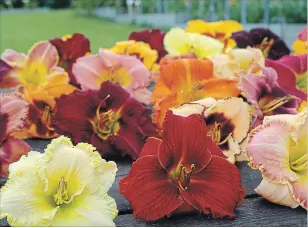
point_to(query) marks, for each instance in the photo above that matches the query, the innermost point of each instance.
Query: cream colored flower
(65, 186)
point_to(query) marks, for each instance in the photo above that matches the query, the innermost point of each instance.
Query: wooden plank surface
(254, 212)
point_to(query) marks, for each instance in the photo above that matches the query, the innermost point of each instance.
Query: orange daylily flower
(220, 30)
(186, 80)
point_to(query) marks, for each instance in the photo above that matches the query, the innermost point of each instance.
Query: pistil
(181, 176)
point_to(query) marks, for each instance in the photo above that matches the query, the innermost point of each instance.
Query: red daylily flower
(183, 172)
(108, 118)
(13, 111)
(292, 74)
(70, 48)
(154, 38)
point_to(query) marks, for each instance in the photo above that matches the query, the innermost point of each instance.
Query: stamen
(99, 107)
(46, 114)
(276, 103)
(61, 196)
(216, 133)
(266, 45)
(225, 140)
(181, 177)
(299, 164)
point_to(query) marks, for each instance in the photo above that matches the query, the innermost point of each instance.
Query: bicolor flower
(220, 30)
(182, 172)
(108, 118)
(128, 71)
(227, 120)
(292, 74)
(278, 148)
(70, 48)
(270, 44)
(13, 112)
(237, 62)
(141, 50)
(184, 80)
(155, 38)
(266, 96)
(300, 44)
(179, 42)
(65, 186)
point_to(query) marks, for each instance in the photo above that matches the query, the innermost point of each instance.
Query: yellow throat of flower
(35, 74)
(117, 75)
(191, 93)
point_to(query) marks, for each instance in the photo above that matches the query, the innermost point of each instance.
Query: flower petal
(149, 191)
(183, 142)
(276, 193)
(13, 58)
(299, 190)
(151, 147)
(207, 189)
(268, 151)
(11, 150)
(220, 88)
(44, 53)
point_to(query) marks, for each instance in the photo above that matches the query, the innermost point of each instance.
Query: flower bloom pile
(184, 105)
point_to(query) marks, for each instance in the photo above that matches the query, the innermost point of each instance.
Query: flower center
(265, 45)
(181, 177)
(216, 134)
(117, 74)
(267, 105)
(34, 74)
(191, 93)
(61, 196)
(46, 116)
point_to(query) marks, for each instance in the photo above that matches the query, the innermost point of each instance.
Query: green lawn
(19, 31)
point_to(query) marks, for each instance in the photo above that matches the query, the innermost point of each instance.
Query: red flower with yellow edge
(292, 74)
(108, 118)
(141, 50)
(220, 30)
(155, 38)
(13, 112)
(70, 48)
(184, 80)
(183, 172)
(300, 44)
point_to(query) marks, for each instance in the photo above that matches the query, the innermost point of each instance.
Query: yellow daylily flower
(220, 30)
(179, 42)
(141, 50)
(65, 186)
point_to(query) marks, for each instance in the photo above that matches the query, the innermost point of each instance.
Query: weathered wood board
(255, 211)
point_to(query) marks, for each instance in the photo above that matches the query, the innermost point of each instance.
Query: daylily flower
(266, 96)
(92, 70)
(292, 74)
(220, 30)
(13, 112)
(270, 44)
(237, 62)
(278, 148)
(155, 38)
(185, 80)
(65, 186)
(141, 50)
(109, 118)
(70, 48)
(178, 42)
(227, 120)
(300, 44)
(182, 172)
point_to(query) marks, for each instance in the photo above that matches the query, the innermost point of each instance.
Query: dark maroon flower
(108, 118)
(154, 38)
(70, 48)
(270, 44)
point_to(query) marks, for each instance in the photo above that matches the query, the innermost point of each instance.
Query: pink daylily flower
(128, 71)
(13, 112)
(278, 148)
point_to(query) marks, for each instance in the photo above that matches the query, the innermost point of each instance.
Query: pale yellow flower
(178, 42)
(65, 186)
(238, 61)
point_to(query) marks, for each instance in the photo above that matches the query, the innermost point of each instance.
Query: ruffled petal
(183, 142)
(149, 191)
(299, 190)
(276, 193)
(11, 150)
(44, 53)
(268, 151)
(207, 189)
(14, 58)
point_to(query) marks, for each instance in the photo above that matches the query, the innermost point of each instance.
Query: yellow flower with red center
(141, 50)
(220, 30)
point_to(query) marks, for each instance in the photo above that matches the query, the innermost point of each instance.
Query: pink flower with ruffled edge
(13, 112)
(278, 148)
(128, 71)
